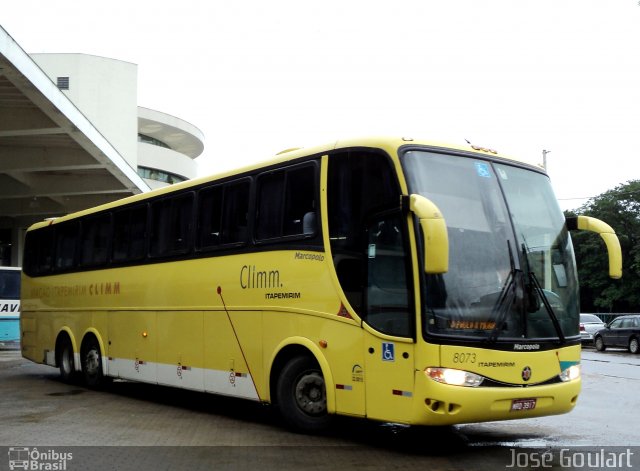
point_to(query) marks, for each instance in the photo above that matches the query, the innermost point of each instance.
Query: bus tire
(66, 359)
(91, 359)
(302, 396)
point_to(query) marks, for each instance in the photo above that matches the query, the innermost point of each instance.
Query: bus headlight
(571, 373)
(454, 377)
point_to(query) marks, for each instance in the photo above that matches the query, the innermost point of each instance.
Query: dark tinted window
(129, 231)
(360, 184)
(388, 292)
(94, 244)
(287, 203)
(171, 225)
(210, 217)
(38, 251)
(223, 214)
(270, 207)
(67, 236)
(9, 284)
(236, 212)
(300, 201)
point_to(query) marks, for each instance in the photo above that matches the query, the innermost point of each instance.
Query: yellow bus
(393, 279)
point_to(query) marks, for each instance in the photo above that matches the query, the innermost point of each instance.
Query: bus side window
(38, 253)
(388, 307)
(300, 201)
(270, 206)
(223, 214)
(170, 225)
(235, 215)
(94, 241)
(209, 217)
(129, 234)
(360, 183)
(66, 235)
(286, 203)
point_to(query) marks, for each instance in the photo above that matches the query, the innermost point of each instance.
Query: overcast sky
(261, 76)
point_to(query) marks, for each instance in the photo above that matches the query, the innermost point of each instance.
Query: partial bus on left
(9, 306)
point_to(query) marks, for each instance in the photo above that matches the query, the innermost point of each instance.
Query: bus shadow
(355, 432)
(194, 401)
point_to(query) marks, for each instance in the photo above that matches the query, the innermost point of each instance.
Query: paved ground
(138, 426)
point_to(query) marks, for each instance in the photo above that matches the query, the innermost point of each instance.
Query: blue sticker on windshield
(483, 170)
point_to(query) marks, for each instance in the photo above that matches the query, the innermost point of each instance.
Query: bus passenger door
(389, 323)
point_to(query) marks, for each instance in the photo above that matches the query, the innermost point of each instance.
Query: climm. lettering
(251, 278)
(97, 289)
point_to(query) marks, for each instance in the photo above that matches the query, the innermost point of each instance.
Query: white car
(589, 325)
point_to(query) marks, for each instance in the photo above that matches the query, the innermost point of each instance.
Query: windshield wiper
(506, 298)
(535, 294)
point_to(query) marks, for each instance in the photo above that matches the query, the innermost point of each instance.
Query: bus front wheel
(92, 363)
(302, 396)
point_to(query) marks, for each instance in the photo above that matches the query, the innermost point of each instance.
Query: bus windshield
(512, 273)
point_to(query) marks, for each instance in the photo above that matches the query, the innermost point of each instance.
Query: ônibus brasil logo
(34, 459)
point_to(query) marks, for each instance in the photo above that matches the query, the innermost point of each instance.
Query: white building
(167, 147)
(72, 136)
(105, 90)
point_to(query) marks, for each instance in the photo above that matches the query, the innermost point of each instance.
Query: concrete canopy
(53, 161)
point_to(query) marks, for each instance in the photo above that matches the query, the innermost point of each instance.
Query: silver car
(589, 325)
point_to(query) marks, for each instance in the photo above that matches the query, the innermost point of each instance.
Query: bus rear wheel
(65, 360)
(302, 395)
(92, 363)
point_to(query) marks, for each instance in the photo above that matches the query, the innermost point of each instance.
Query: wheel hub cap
(310, 394)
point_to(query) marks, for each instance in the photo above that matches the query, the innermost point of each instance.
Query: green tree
(620, 208)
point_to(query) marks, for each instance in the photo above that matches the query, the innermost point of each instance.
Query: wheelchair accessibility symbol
(388, 351)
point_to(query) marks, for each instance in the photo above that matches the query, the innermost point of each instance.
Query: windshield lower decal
(472, 325)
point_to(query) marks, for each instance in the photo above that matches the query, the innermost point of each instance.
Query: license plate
(523, 404)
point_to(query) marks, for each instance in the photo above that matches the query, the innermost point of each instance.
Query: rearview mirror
(609, 237)
(434, 234)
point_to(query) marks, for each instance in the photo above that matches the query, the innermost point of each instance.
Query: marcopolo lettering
(309, 256)
(525, 346)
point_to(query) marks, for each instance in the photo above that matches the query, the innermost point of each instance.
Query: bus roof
(388, 144)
